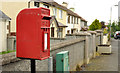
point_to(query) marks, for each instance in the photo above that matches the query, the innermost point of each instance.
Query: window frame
(60, 14)
(68, 21)
(77, 20)
(55, 12)
(35, 4)
(45, 6)
(72, 19)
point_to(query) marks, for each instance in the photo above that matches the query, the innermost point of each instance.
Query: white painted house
(83, 23)
(4, 30)
(74, 21)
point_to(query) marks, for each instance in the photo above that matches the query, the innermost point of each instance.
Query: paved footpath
(105, 62)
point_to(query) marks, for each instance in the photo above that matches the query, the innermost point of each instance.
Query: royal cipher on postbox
(33, 33)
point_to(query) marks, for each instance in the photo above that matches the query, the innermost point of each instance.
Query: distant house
(74, 21)
(68, 20)
(103, 24)
(4, 30)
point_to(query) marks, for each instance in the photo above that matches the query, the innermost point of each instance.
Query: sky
(94, 9)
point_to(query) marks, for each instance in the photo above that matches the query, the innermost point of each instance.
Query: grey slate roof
(58, 23)
(55, 4)
(61, 25)
(4, 16)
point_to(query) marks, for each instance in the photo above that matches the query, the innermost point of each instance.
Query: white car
(117, 35)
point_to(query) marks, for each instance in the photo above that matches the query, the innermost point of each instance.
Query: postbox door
(46, 37)
(45, 45)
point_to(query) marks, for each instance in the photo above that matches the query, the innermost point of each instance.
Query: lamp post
(111, 19)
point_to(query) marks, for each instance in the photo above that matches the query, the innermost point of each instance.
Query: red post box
(33, 33)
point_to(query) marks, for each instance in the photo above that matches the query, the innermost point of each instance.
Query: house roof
(83, 19)
(58, 23)
(75, 14)
(55, 4)
(52, 3)
(72, 13)
(4, 16)
(61, 25)
(43, 0)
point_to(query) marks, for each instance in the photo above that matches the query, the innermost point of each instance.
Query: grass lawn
(5, 52)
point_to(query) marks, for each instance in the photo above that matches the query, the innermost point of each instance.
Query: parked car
(117, 35)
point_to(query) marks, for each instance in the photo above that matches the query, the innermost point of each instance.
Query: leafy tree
(95, 25)
(113, 27)
(108, 27)
(118, 27)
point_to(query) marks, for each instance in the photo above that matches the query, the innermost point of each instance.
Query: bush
(105, 31)
(108, 37)
(112, 34)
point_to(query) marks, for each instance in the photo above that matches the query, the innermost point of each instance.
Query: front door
(71, 31)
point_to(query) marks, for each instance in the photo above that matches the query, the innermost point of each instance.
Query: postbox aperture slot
(46, 18)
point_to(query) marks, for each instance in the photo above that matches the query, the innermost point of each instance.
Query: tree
(118, 26)
(95, 25)
(113, 27)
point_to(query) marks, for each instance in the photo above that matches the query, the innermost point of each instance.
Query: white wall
(3, 36)
(82, 23)
(78, 26)
(70, 26)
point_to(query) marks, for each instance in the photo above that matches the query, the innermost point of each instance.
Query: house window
(45, 6)
(77, 20)
(36, 4)
(81, 23)
(60, 32)
(55, 12)
(72, 19)
(8, 28)
(68, 31)
(85, 23)
(68, 19)
(60, 14)
(72, 31)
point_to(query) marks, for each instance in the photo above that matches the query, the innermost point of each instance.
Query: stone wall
(76, 51)
(81, 47)
(11, 43)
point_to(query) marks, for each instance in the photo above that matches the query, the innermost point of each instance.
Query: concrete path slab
(105, 62)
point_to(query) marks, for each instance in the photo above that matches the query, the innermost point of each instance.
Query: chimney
(65, 4)
(72, 9)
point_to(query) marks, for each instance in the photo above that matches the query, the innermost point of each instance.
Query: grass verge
(5, 52)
